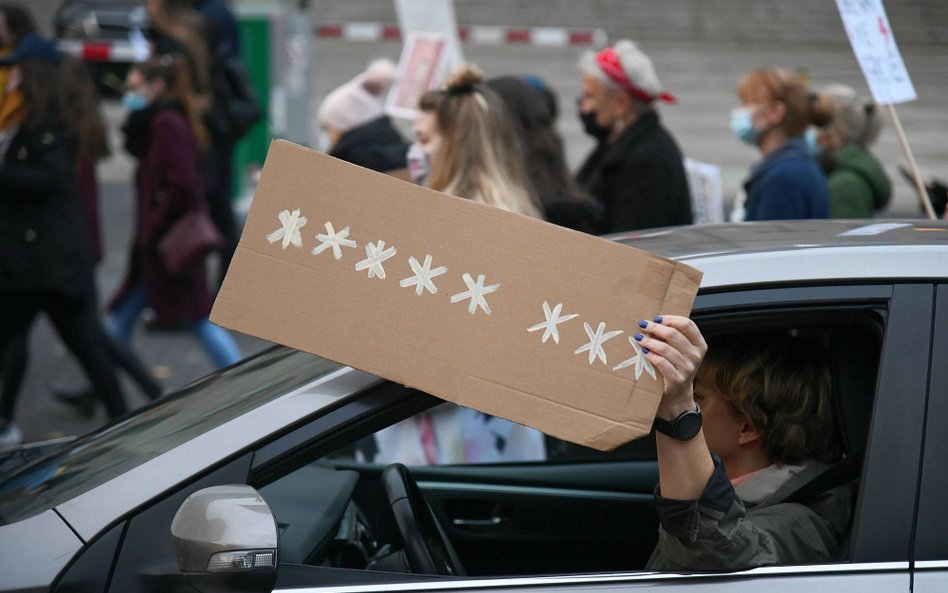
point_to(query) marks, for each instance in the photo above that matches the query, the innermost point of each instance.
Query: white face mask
(323, 143)
(418, 167)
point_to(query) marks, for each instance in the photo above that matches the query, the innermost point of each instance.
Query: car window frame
(931, 546)
(901, 304)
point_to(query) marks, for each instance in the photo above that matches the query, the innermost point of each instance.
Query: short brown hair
(782, 385)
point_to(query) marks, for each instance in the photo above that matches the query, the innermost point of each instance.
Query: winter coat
(787, 184)
(167, 185)
(375, 145)
(857, 182)
(44, 242)
(639, 179)
(721, 532)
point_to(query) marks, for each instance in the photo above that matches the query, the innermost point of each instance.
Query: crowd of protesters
(180, 129)
(491, 140)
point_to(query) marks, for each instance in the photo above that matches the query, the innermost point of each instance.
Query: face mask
(418, 167)
(591, 127)
(813, 147)
(323, 143)
(742, 125)
(134, 101)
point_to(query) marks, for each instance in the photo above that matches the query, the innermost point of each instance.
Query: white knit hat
(358, 101)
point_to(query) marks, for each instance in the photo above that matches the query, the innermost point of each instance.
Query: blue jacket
(787, 184)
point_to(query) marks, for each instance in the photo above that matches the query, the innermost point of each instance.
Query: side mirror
(226, 538)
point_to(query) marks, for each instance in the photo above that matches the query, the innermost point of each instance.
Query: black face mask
(592, 128)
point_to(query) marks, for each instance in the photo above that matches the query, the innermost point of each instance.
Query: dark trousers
(220, 201)
(78, 326)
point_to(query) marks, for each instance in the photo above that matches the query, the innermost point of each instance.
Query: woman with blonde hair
(776, 109)
(466, 145)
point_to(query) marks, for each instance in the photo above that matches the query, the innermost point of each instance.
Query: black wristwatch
(684, 428)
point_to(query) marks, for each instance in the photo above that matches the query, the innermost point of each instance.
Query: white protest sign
(873, 43)
(707, 197)
(419, 70)
(431, 48)
(432, 17)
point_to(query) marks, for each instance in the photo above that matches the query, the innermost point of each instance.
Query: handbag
(189, 240)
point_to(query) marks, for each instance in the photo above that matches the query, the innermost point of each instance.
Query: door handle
(478, 523)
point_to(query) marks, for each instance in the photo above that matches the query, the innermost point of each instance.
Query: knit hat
(32, 46)
(358, 101)
(629, 67)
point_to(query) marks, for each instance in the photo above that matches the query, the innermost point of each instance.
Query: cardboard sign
(874, 45)
(491, 310)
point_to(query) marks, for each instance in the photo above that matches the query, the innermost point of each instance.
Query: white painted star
(375, 254)
(641, 363)
(596, 340)
(334, 240)
(423, 275)
(290, 231)
(475, 291)
(553, 319)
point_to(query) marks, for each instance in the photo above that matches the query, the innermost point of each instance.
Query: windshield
(100, 456)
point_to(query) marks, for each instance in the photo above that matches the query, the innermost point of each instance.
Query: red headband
(608, 60)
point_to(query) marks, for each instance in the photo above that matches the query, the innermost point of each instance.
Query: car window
(97, 458)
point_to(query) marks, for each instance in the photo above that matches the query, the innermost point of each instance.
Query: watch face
(689, 425)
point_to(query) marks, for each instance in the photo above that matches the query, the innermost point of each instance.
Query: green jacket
(858, 184)
(720, 532)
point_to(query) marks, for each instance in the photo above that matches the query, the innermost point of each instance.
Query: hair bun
(464, 79)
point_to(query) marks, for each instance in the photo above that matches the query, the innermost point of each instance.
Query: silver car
(269, 475)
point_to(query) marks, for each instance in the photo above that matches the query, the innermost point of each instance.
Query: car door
(931, 544)
(879, 550)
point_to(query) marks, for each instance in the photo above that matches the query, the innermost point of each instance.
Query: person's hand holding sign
(676, 348)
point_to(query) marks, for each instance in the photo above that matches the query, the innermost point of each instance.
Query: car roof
(740, 254)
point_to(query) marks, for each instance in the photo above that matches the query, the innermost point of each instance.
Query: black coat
(44, 242)
(640, 179)
(375, 145)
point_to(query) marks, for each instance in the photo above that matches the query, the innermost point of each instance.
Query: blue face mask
(742, 125)
(813, 147)
(134, 101)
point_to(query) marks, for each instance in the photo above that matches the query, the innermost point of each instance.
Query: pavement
(701, 75)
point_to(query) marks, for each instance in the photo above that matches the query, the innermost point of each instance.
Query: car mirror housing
(223, 532)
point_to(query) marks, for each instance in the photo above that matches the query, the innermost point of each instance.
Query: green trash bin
(253, 22)
(275, 45)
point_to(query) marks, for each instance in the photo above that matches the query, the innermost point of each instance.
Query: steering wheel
(427, 547)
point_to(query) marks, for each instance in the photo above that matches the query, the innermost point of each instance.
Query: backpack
(236, 106)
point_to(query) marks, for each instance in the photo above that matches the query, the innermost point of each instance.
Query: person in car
(776, 109)
(742, 425)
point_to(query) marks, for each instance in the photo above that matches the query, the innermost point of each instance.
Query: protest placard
(488, 309)
(873, 42)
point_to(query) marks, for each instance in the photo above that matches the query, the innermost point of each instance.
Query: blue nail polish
(658, 319)
(643, 324)
(638, 337)
(645, 350)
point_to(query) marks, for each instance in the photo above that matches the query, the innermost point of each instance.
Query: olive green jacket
(858, 184)
(720, 532)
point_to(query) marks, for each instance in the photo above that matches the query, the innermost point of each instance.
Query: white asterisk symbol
(641, 363)
(334, 240)
(423, 275)
(290, 231)
(375, 254)
(475, 291)
(596, 340)
(553, 318)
